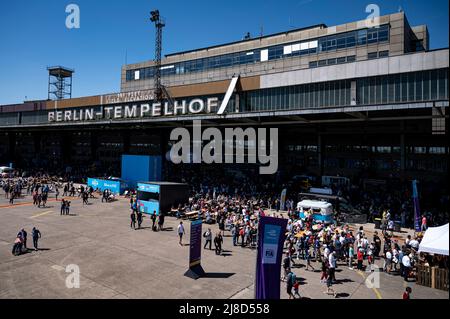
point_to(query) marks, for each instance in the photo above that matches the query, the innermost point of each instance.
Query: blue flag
(415, 196)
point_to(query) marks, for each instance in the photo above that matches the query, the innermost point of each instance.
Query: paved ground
(118, 262)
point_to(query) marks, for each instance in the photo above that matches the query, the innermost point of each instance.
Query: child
(407, 293)
(296, 286)
(360, 257)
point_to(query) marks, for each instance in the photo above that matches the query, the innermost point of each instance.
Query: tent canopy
(435, 241)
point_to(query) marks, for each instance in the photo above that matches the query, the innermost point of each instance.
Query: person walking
(291, 278)
(218, 240)
(351, 254)
(133, 220)
(67, 207)
(161, 221)
(330, 290)
(139, 218)
(286, 266)
(36, 234)
(63, 207)
(181, 232)
(360, 258)
(208, 236)
(406, 261)
(153, 220)
(234, 234)
(56, 193)
(324, 275)
(332, 266)
(23, 234)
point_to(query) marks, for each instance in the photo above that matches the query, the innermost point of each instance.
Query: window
(383, 33)
(383, 54)
(341, 60)
(372, 55)
(322, 62)
(341, 41)
(331, 61)
(372, 36)
(322, 44)
(362, 37)
(313, 64)
(351, 58)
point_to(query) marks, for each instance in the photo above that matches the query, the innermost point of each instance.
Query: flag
(415, 197)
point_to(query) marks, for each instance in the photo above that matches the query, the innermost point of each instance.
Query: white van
(6, 172)
(322, 211)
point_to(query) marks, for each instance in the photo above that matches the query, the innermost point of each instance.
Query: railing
(432, 277)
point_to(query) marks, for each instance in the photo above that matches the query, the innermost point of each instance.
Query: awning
(435, 241)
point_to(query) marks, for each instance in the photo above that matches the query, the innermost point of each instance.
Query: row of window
(322, 44)
(336, 93)
(406, 87)
(434, 150)
(333, 61)
(377, 55)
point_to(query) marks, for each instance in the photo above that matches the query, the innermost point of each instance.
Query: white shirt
(180, 229)
(414, 244)
(388, 255)
(406, 261)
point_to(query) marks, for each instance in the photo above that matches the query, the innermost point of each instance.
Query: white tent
(435, 241)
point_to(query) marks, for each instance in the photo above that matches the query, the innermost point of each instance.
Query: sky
(33, 33)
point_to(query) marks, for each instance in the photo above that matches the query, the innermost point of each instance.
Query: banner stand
(195, 270)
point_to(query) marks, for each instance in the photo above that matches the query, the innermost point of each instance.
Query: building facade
(350, 99)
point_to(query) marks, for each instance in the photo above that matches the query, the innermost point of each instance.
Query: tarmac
(116, 261)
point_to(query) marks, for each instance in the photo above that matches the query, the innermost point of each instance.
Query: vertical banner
(195, 270)
(415, 196)
(283, 199)
(271, 236)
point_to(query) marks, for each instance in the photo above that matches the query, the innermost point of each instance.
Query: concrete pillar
(353, 95)
(237, 102)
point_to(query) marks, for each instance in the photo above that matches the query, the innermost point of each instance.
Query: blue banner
(101, 184)
(151, 203)
(415, 197)
(271, 237)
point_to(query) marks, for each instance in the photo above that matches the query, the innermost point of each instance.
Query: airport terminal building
(346, 99)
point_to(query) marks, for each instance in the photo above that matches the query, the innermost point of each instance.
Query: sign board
(195, 270)
(271, 236)
(102, 184)
(323, 191)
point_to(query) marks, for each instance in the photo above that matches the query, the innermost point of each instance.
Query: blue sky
(33, 34)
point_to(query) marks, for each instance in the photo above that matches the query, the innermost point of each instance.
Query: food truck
(160, 196)
(321, 210)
